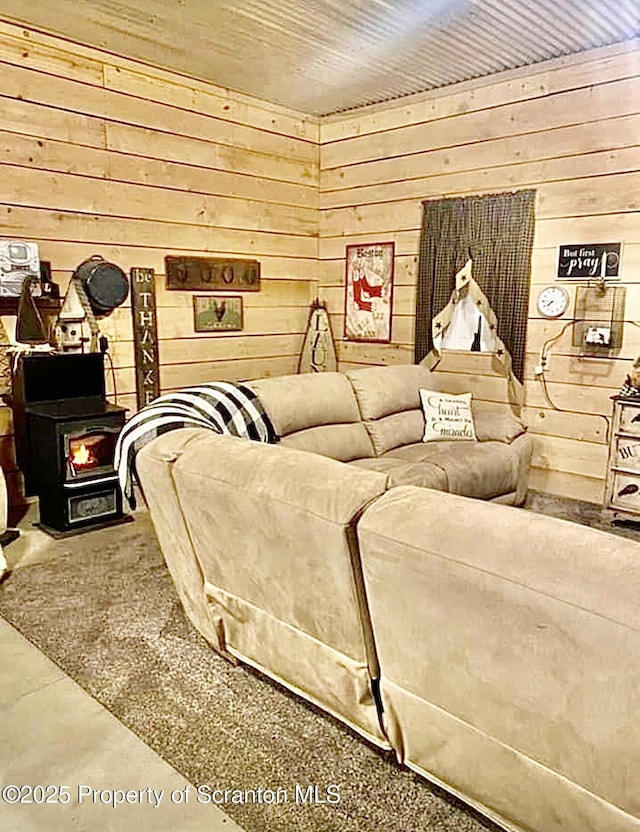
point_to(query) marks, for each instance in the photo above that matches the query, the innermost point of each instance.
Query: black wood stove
(67, 442)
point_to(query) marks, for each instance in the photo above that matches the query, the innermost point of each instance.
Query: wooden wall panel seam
(178, 223)
(425, 186)
(482, 94)
(118, 137)
(70, 96)
(87, 194)
(543, 131)
(33, 38)
(103, 164)
(594, 136)
(522, 174)
(611, 98)
(229, 241)
(592, 65)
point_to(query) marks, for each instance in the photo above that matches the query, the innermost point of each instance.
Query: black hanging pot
(105, 284)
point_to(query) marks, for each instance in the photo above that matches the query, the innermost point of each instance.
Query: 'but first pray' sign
(589, 260)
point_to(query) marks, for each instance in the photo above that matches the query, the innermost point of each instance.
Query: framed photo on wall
(369, 292)
(221, 313)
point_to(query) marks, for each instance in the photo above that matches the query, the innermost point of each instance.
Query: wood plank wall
(568, 128)
(105, 155)
(101, 155)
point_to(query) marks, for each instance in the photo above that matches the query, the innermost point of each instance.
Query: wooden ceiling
(324, 56)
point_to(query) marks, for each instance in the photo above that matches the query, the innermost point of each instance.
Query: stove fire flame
(82, 457)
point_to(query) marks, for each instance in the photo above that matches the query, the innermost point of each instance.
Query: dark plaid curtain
(496, 231)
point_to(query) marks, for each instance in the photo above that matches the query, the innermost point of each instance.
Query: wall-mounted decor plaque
(212, 274)
(145, 335)
(217, 314)
(582, 261)
(369, 292)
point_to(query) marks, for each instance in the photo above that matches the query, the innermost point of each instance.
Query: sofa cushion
(389, 402)
(381, 391)
(510, 657)
(341, 442)
(447, 417)
(395, 430)
(501, 427)
(480, 469)
(315, 412)
(399, 472)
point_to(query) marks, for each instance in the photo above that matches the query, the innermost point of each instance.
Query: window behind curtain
(496, 232)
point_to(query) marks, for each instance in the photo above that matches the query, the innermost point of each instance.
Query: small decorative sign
(212, 274)
(628, 454)
(368, 292)
(589, 260)
(145, 335)
(217, 314)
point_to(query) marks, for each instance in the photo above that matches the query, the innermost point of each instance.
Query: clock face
(553, 301)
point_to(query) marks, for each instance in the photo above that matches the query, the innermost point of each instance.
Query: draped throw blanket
(222, 407)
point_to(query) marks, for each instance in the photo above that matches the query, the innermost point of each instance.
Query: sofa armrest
(154, 463)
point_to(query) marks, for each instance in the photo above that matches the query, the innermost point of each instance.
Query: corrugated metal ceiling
(324, 56)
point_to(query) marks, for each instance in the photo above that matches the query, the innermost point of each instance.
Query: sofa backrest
(510, 638)
(315, 412)
(389, 402)
(261, 539)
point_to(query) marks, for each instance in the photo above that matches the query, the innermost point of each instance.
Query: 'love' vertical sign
(145, 335)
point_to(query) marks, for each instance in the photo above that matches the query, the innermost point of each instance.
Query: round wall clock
(553, 301)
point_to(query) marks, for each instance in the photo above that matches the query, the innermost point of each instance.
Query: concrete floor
(53, 734)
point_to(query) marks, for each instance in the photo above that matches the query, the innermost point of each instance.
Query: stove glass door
(89, 451)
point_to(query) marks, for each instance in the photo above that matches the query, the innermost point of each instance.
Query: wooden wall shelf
(9, 306)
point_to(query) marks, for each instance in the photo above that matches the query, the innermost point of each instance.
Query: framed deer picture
(368, 292)
(217, 313)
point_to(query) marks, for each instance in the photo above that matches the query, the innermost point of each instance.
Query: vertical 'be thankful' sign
(145, 335)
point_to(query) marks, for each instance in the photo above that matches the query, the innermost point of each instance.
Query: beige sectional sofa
(372, 418)
(495, 651)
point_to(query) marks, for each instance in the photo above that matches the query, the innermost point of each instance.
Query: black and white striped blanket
(629, 390)
(219, 406)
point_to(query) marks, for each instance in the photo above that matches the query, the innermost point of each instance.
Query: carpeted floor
(104, 609)
(587, 514)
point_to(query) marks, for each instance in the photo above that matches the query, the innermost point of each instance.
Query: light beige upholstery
(384, 392)
(315, 412)
(509, 648)
(506, 643)
(261, 543)
(401, 472)
(389, 402)
(381, 391)
(154, 464)
(368, 415)
(497, 427)
(478, 469)
(494, 468)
